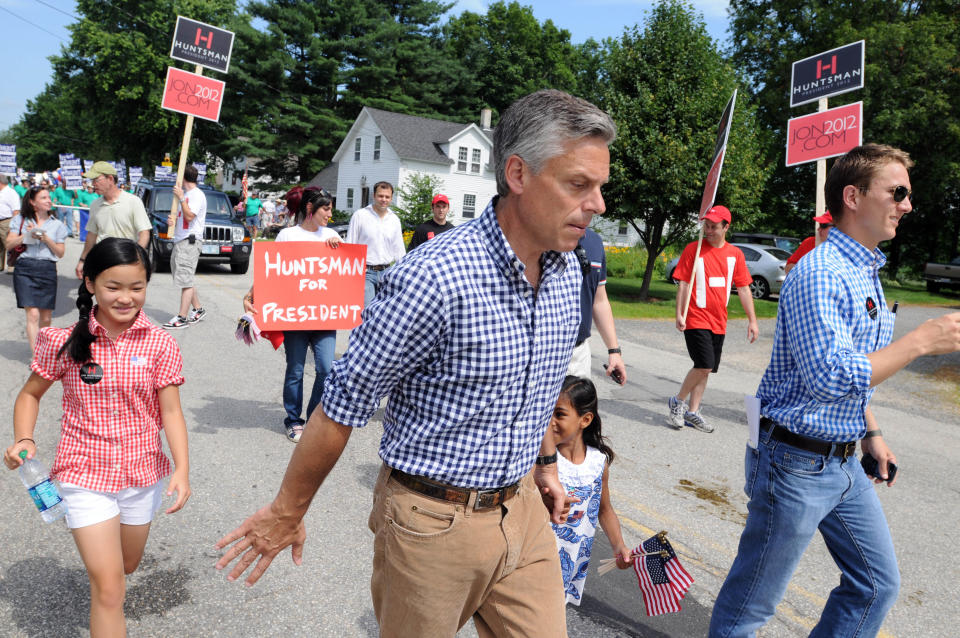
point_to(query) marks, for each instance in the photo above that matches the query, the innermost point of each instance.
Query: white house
(386, 146)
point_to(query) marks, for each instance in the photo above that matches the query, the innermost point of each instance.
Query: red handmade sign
(192, 94)
(308, 285)
(824, 134)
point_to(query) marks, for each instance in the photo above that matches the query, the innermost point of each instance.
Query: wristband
(26, 438)
(872, 433)
(614, 351)
(547, 460)
(81, 259)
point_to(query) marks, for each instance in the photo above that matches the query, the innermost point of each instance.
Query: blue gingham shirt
(471, 356)
(818, 380)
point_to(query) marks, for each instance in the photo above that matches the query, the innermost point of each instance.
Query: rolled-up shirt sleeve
(400, 331)
(819, 335)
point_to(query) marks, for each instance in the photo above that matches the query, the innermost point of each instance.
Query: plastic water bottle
(42, 490)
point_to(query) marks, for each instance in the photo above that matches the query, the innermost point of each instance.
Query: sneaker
(294, 432)
(677, 409)
(694, 420)
(197, 314)
(176, 323)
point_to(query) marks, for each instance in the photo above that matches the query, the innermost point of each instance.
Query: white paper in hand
(752, 405)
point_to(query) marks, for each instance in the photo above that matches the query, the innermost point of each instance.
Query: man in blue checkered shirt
(831, 348)
(469, 338)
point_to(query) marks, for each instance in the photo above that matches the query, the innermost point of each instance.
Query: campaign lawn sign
(308, 285)
(200, 43)
(192, 94)
(824, 134)
(826, 74)
(8, 159)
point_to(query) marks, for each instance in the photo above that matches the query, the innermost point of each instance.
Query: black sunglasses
(900, 193)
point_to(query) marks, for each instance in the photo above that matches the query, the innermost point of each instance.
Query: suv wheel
(759, 288)
(239, 267)
(159, 263)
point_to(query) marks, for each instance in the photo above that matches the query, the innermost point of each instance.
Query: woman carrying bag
(35, 277)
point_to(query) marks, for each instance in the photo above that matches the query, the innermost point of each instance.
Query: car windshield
(779, 254)
(217, 203)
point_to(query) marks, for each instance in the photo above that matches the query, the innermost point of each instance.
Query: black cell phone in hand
(616, 376)
(871, 467)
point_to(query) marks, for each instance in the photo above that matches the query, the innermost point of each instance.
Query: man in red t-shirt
(719, 267)
(808, 244)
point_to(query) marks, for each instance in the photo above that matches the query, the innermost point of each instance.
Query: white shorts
(135, 505)
(580, 361)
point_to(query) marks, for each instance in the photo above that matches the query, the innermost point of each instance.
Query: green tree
(666, 88)
(511, 54)
(910, 100)
(415, 196)
(281, 100)
(104, 100)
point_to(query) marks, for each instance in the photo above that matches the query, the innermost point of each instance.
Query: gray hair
(536, 127)
(4, 179)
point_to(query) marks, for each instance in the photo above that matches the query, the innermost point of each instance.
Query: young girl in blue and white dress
(583, 463)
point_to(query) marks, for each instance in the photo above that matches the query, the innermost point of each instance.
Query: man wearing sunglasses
(825, 222)
(831, 348)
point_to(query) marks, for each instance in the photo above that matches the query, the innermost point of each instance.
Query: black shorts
(704, 347)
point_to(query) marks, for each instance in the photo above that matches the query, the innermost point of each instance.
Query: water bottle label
(45, 495)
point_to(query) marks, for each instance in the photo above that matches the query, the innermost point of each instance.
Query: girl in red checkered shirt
(121, 376)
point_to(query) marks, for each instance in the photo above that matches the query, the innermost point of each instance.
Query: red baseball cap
(441, 198)
(826, 218)
(718, 214)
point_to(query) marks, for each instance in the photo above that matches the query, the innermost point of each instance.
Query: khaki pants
(437, 564)
(4, 230)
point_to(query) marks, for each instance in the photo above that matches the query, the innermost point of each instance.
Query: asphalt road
(685, 482)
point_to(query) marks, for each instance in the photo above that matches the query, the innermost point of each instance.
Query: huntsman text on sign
(308, 285)
(825, 134)
(192, 94)
(829, 73)
(201, 43)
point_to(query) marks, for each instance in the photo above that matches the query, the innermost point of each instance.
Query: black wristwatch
(614, 351)
(547, 460)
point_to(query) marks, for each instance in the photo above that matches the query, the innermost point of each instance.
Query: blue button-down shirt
(818, 380)
(470, 354)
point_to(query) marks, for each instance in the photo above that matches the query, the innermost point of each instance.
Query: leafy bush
(630, 263)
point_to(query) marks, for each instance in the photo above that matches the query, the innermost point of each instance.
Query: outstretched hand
(260, 538)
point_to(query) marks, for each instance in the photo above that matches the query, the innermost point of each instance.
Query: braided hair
(113, 251)
(583, 397)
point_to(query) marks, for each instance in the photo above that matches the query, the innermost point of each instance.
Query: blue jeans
(371, 285)
(295, 345)
(65, 215)
(792, 494)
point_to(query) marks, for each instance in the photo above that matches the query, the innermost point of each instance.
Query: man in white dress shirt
(379, 228)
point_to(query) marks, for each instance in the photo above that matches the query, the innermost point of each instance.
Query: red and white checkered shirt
(110, 434)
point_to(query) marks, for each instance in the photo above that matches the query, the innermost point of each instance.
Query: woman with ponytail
(312, 209)
(121, 376)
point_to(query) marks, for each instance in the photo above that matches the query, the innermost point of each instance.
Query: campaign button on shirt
(91, 373)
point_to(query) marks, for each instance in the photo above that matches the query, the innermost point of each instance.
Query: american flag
(663, 580)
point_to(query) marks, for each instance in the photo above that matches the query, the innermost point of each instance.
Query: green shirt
(85, 199)
(253, 206)
(62, 196)
(20, 190)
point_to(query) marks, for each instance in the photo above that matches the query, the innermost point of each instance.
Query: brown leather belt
(373, 268)
(817, 446)
(461, 495)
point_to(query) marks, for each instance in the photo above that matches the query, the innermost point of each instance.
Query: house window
(350, 196)
(462, 159)
(623, 228)
(469, 206)
(376, 147)
(475, 161)
(356, 150)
